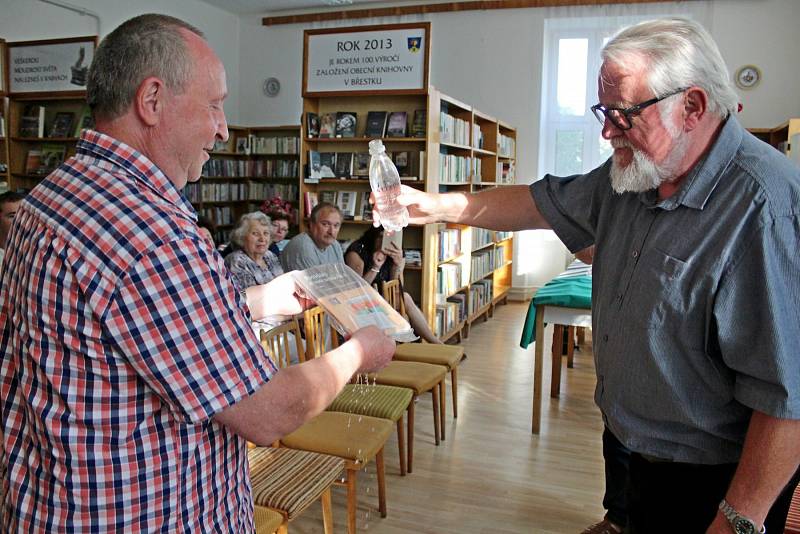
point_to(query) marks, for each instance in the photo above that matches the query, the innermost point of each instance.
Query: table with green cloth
(565, 300)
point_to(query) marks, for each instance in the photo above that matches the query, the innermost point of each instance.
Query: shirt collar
(101, 146)
(701, 181)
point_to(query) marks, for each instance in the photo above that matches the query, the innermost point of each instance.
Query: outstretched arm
(502, 208)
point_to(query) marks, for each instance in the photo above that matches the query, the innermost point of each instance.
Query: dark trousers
(679, 497)
(615, 457)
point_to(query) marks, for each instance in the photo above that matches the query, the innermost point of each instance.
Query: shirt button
(635, 254)
(619, 297)
(605, 337)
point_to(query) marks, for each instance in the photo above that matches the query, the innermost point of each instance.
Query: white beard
(642, 173)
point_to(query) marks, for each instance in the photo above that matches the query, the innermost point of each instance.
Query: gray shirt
(302, 253)
(696, 298)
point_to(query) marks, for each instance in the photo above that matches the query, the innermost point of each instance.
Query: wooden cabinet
(456, 148)
(782, 137)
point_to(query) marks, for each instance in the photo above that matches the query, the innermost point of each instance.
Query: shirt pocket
(655, 299)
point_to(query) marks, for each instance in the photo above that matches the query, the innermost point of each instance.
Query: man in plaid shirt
(130, 378)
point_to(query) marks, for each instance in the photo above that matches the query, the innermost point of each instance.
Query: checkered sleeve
(179, 321)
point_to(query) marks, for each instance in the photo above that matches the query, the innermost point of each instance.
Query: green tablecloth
(573, 292)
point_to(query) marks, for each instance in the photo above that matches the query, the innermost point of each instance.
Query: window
(570, 138)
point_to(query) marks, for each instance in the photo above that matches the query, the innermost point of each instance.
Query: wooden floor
(491, 475)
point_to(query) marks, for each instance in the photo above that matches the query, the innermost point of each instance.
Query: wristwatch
(739, 523)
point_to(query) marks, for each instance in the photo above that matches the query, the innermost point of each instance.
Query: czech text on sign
(365, 61)
(49, 67)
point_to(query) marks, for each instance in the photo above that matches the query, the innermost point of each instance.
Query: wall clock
(272, 86)
(747, 77)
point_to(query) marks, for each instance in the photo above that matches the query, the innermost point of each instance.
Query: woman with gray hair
(252, 263)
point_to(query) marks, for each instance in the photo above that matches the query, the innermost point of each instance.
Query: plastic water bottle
(385, 183)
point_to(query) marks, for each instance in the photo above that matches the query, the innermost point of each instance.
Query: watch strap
(739, 523)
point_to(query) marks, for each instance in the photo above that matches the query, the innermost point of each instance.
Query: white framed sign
(367, 59)
(53, 66)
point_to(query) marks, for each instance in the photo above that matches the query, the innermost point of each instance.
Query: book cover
(243, 145)
(401, 162)
(364, 207)
(312, 124)
(32, 121)
(310, 200)
(346, 200)
(376, 124)
(62, 124)
(314, 166)
(344, 165)
(52, 157)
(33, 161)
(397, 124)
(419, 127)
(345, 124)
(84, 122)
(327, 125)
(327, 196)
(361, 164)
(327, 164)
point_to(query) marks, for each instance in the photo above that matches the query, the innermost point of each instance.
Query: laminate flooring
(491, 475)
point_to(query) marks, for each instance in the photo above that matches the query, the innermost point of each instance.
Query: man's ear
(695, 105)
(150, 100)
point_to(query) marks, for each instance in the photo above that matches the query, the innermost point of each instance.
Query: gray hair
(680, 53)
(147, 45)
(323, 206)
(243, 226)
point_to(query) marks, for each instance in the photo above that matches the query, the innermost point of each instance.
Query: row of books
(449, 243)
(453, 130)
(62, 124)
(254, 144)
(44, 159)
(412, 257)
(455, 170)
(506, 146)
(483, 263)
(505, 172)
(450, 314)
(477, 137)
(219, 215)
(346, 165)
(448, 280)
(481, 237)
(353, 204)
(259, 168)
(237, 191)
(378, 124)
(499, 236)
(480, 294)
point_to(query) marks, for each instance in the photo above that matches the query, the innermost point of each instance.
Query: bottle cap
(376, 147)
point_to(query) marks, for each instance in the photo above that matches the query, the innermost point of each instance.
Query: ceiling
(263, 7)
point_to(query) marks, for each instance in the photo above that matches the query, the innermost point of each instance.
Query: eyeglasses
(622, 118)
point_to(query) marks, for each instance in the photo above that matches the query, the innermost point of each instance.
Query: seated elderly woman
(252, 263)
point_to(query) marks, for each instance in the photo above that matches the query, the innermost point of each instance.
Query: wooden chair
(449, 356)
(385, 402)
(269, 521)
(288, 481)
(355, 440)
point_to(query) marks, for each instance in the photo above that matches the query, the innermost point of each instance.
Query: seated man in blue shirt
(318, 246)
(695, 282)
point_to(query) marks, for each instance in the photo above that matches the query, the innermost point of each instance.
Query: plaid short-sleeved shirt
(121, 336)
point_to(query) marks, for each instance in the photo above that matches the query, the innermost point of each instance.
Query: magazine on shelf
(350, 302)
(397, 124)
(327, 125)
(312, 124)
(346, 124)
(376, 124)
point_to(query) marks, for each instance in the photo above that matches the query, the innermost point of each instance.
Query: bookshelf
(781, 136)
(42, 131)
(460, 151)
(255, 164)
(3, 121)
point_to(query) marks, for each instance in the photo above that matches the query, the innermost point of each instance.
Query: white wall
(24, 20)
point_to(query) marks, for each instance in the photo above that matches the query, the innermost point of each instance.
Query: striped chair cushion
(267, 521)
(447, 355)
(354, 437)
(290, 480)
(384, 402)
(793, 519)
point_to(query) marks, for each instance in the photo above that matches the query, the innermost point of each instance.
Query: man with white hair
(695, 282)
